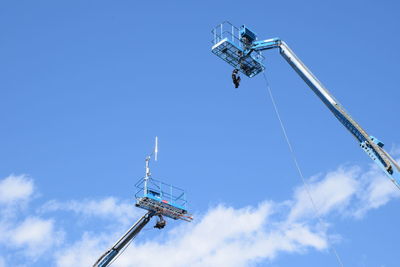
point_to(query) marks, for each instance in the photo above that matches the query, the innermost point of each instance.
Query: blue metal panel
(393, 174)
(248, 34)
(266, 44)
(346, 123)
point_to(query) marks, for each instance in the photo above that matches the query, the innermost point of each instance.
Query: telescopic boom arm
(108, 256)
(371, 145)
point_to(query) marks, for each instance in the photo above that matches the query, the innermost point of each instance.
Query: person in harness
(236, 78)
(160, 222)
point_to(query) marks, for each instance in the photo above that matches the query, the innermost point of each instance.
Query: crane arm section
(109, 255)
(371, 145)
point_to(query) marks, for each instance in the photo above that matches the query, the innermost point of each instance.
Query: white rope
(296, 163)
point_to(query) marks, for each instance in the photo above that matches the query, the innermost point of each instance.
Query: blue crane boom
(241, 49)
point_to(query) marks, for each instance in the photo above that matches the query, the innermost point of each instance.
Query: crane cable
(296, 163)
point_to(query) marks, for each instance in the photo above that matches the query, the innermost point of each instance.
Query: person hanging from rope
(236, 78)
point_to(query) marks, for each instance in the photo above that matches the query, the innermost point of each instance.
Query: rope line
(296, 163)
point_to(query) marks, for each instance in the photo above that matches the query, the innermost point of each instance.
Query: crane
(240, 48)
(159, 199)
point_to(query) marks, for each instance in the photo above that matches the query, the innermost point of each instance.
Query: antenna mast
(147, 161)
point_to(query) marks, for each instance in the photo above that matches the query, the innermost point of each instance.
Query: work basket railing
(165, 193)
(227, 31)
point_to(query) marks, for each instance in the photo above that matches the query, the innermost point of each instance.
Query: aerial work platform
(228, 46)
(162, 198)
(159, 199)
(240, 48)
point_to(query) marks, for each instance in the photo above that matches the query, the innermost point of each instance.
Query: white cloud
(82, 253)
(395, 150)
(226, 236)
(35, 235)
(110, 207)
(223, 237)
(376, 191)
(15, 188)
(30, 236)
(333, 192)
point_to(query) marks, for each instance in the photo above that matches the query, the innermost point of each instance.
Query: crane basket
(162, 198)
(227, 45)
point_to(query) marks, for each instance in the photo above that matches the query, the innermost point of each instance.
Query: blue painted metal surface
(249, 35)
(266, 44)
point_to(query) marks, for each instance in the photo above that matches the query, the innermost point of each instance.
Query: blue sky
(87, 85)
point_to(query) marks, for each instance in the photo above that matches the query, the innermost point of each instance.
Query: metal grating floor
(162, 208)
(231, 54)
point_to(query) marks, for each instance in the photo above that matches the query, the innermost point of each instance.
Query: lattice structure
(228, 46)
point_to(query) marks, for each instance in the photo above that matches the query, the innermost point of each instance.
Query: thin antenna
(156, 149)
